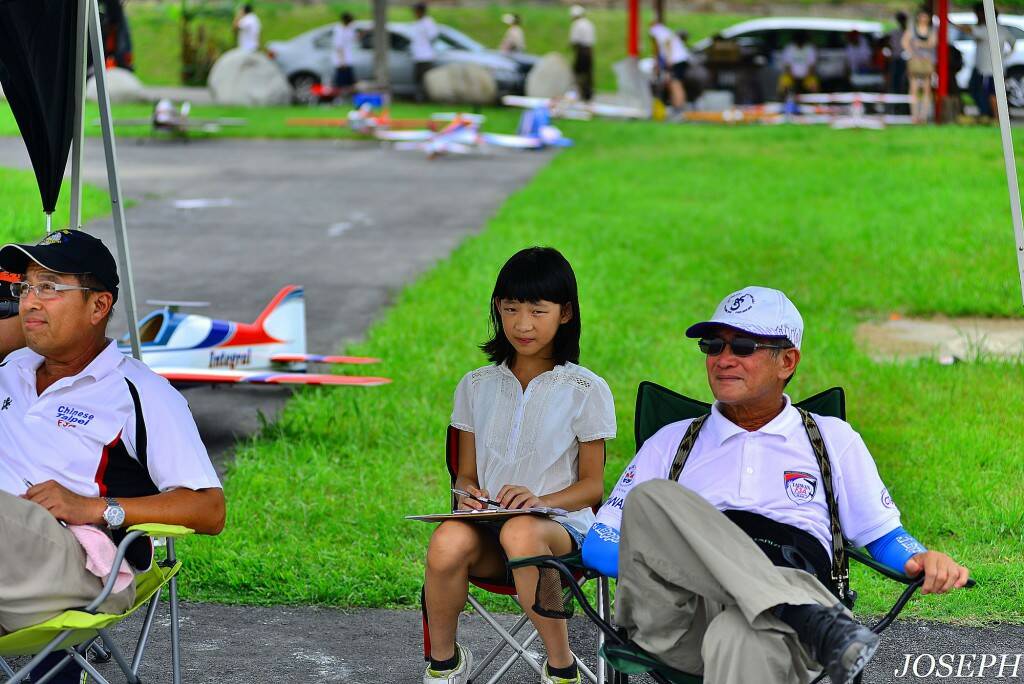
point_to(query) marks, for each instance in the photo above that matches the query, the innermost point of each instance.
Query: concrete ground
(246, 644)
(353, 224)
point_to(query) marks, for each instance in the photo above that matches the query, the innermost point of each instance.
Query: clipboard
(494, 514)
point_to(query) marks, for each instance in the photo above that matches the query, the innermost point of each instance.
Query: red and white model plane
(190, 350)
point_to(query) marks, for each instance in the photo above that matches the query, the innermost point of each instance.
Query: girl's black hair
(532, 275)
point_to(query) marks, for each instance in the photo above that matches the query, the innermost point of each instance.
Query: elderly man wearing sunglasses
(732, 573)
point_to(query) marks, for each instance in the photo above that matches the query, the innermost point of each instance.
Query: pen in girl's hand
(482, 500)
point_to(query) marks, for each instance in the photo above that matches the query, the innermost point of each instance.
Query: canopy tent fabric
(38, 45)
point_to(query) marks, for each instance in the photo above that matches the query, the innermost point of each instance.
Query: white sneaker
(548, 678)
(459, 675)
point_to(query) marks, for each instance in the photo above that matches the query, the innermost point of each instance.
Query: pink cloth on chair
(99, 554)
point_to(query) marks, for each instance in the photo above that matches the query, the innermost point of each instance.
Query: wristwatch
(114, 514)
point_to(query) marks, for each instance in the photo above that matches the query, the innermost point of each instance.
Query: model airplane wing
(519, 142)
(320, 358)
(404, 136)
(212, 376)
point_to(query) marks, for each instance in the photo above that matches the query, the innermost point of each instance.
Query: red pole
(633, 29)
(942, 63)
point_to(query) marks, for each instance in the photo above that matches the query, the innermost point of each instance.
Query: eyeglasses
(45, 290)
(741, 346)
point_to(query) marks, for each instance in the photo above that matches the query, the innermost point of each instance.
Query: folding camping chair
(508, 636)
(657, 406)
(75, 632)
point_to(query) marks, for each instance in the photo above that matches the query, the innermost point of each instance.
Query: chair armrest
(573, 562)
(162, 530)
(887, 571)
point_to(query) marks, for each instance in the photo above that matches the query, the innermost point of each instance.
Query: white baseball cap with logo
(758, 311)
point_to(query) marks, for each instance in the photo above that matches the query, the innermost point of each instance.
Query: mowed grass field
(157, 39)
(21, 210)
(660, 222)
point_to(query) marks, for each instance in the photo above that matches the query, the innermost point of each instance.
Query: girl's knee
(525, 535)
(453, 545)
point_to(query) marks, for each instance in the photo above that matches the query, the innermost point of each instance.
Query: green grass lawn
(157, 41)
(21, 210)
(660, 222)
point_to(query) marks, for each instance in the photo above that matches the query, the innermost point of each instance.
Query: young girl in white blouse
(532, 426)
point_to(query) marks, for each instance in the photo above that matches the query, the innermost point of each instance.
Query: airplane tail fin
(285, 318)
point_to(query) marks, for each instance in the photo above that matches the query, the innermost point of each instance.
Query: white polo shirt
(424, 31)
(343, 40)
(116, 429)
(249, 32)
(772, 472)
(532, 438)
(670, 45)
(582, 32)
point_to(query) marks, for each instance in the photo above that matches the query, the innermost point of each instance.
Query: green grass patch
(21, 210)
(263, 122)
(157, 38)
(660, 222)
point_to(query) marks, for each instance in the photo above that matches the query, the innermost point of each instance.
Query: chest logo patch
(800, 486)
(70, 417)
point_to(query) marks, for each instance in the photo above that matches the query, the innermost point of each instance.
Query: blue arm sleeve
(894, 549)
(601, 550)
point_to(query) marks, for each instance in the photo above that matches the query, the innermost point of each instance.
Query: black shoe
(839, 643)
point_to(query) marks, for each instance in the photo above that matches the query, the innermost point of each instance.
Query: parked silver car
(306, 59)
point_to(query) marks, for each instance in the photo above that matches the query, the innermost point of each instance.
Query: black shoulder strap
(686, 446)
(140, 425)
(840, 563)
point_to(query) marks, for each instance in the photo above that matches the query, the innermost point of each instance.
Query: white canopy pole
(995, 47)
(113, 184)
(81, 29)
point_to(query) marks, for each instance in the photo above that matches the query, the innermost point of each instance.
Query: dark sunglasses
(741, 346)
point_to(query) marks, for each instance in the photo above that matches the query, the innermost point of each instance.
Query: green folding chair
(75, 632)
(656, 407)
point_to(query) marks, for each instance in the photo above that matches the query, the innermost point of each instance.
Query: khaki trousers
(42, 568)
(697, 592)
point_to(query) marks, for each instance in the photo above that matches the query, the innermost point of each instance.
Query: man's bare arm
(203, 510)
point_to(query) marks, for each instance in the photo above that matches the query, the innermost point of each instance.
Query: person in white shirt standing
(732, 562)
(514, 39)
(671, 57)
(424, 31)
(248, 27)
(582, 36)
(799, 60)
(982, 83)
(343, 40)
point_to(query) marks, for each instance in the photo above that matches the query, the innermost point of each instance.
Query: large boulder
(550, 77)
(461, 84)
(242, 77)
(122, 86)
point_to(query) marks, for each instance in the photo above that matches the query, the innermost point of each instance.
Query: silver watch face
(114, 515)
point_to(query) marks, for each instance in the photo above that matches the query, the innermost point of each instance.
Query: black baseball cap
(70, 252)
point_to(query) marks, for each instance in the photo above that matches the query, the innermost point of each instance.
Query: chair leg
(498, 647)
(119, 658)
(84, 663)
(175, 635)
(147, 625)
(5, 668)
(522, 653)
(507, 637)
(605, 671)
(22, 674)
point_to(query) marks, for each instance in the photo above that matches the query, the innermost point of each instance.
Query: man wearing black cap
(90, 437)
